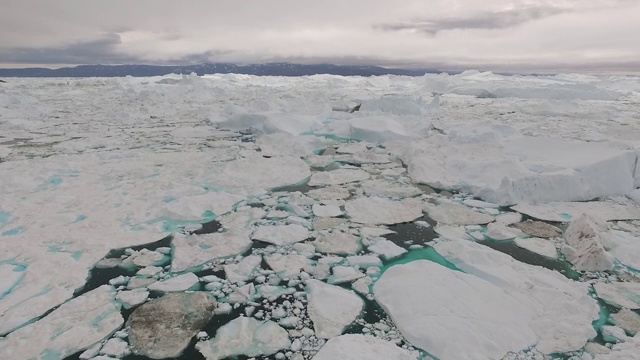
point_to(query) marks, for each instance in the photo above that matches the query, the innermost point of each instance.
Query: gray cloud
(487, 21)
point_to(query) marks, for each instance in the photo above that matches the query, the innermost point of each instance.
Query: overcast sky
(499, 35)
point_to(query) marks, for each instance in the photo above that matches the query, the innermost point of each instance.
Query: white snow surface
(194, 250)
(546, 293)
(338, 177)
(567, 211)
(331, 308)
(381, 211)
(361, 347)
(74, 326)
(539, 246)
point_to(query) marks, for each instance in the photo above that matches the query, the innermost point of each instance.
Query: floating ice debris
(91, 352)
(367, 157)
(164, 327)
(277, 214)
(338, 177)
(629, 350)
(625, 248)
(326, 210)
(353, 148)
(115, 347)
(145, 258)
(286, 266)
(613, 334)
(281, 144)
(546, 292)
(194, 250)
(620, 294)
(245, 336)
(329, 193)
(223, 308)
(192, 208)
(242, 219)
(338, 243)
(132, 298)
(179, 283)
(584, 249)
(375, 231)
(539, 246)
(460, 306)
(364, 261)
(140, 282)
(567, 211)
(538, 229)
(387, 249)
(391, 189)
(343, 274)
(455, 214)
(149, 271)
(331, 308)
(361, 347)
(380, 211)
(75, 326)
(243, 295)
(498, 231)
(108, 263)
(281, 234)
(452, 232)
(480, 204)
(509, 218)
(324, 223)
(628, 320)
(244, 270)
(362, 285)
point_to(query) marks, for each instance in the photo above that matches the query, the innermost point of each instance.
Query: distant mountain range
(272, 69)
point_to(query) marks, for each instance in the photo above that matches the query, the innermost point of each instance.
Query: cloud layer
(501, 35)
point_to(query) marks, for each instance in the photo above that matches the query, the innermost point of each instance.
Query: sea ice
(338, 177)
(192, 208)
(286, 266)
(498, 231)
(343, 274)
(329, 193)
(361, 347)
(619, 294)
(190, 251)
(387, 249)
(244, 270)
(455, 214)
(132, 298)
(164, 327)
(338, 243)
(115, 347)
(380, 211)
(628, 320)
(385, 188)
(75, 326)
(584, 248)
(281, 234)
(245, 336)
(179, 283)
(326, 210)
(539, 246)
(538, 229)
(281, 144)
(331, 308)
(548, 293)
(625, 248)
(567, 211)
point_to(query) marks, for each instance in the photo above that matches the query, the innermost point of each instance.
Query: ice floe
(455, 214)
(619, 294)
(194, 250)
(539, 246)
(281, 234)
(331, 308)
(245, 336)
(338, 177)
(361, 347)
(381, 211)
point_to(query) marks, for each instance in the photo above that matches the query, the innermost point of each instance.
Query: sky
(496, 35)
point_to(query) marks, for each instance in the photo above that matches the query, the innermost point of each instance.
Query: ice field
(453, 217)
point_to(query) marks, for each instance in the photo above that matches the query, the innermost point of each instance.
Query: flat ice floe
(381, 211)
(456, 214)
(338, 177)
(539, 246)
(361, 347)
(195, 250)
(332, 308)
(566, 211)
(73, 327)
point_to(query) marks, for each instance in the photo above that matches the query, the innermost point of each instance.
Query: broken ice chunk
(338, 243)
(194, 250)
(380, 211)
(338, 177)
(331, 308)
(539, 246)
(286, 266)
(245, 336)
(179, 283)
(244, 270)
(584, 248)
(132, 298)
(361, 347)
(74, 326)
(538, 229)
(326, 210)
(498, 231)
(164, 327)
(455, 214)
(281, 234)
(387, 249)
(620, 294)
(343, 274)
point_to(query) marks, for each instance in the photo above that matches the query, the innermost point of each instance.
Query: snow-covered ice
(361, 347)
(190, 251)
(338, 177)
(281, 234)
(539, 246)
(245, 336)
(179, 283)
(585, 238)
(567, 211)
(381, 211)
(332, 308)
(619, 294)
(338, 243)
(455, 214)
